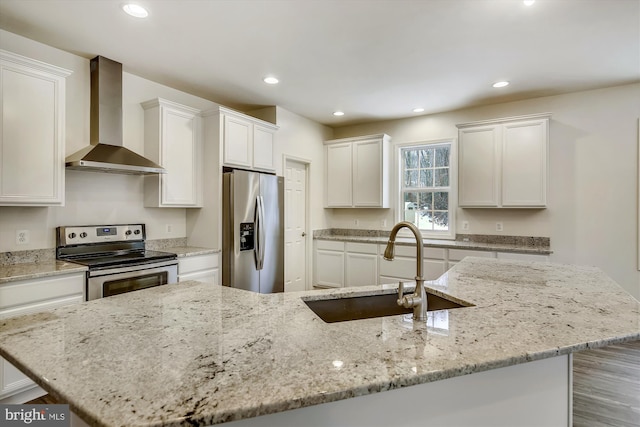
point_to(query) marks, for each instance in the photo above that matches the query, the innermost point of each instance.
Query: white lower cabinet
(26, 297)
(340, 264)
(361, 264)
(204, 268)
(328, 264)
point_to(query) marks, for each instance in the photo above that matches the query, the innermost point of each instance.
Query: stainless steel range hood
(106, 152)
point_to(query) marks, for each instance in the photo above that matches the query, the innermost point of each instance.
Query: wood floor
(606, 387)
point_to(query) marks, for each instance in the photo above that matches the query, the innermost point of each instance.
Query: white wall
(93, 198)
(592, 216)
(303, 138)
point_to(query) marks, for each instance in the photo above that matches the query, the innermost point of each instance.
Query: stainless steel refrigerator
(253, 231)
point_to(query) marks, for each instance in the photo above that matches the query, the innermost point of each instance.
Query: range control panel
(100, 233)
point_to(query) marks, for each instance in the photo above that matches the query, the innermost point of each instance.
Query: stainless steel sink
(370, 306)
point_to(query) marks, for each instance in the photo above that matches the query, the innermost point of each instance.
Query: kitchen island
(197, 354)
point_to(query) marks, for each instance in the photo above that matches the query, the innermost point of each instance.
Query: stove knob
(83, 235)
(127, 233)
(136, 232)
(72, 235)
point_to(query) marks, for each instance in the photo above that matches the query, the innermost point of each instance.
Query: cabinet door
(479, 175)
(338, 166)
(361, 264)
(33, 128)
(31, 296)
(524, 164)
(238, 142)
(181, 158)
(368, 183)
(263, 144)
(329, 268)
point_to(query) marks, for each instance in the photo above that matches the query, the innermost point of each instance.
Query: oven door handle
(129, 268)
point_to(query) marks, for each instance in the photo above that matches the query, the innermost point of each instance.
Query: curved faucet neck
(419, 243)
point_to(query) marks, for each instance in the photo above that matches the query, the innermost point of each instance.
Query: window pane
(426, 221)
(410, 200)
(426, 158)
(441, 221)
(441, 201)
(442, 177)
(411, 178)
(426, 201)
(442, 156)
(426, 178)
(410, 159)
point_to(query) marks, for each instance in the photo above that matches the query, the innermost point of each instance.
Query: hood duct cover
(106, 152)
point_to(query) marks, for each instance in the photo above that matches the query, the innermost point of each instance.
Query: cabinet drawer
(330, 245)
(192, 264)
(362, 248)
(459, 254)
(410, 251)
(28, 296)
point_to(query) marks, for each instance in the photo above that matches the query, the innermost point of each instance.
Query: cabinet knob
(304, 234)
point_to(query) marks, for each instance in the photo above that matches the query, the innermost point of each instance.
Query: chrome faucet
(417, 301)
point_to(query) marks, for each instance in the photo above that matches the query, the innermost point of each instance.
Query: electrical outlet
(22, 237)
(383, 223)
(465, 225)
(356, 222)
(169, 228)
(499, 226)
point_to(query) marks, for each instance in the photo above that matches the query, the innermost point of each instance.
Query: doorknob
(304, 234)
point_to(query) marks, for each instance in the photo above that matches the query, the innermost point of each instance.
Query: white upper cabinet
(503, 163)
(357, 172)
(33, 132)
(173, 139)
(247, 142)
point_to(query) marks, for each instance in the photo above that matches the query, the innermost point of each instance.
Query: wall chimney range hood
(106, 152)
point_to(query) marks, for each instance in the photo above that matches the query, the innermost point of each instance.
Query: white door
(295, 202)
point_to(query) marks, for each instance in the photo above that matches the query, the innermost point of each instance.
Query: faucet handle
(400, 292)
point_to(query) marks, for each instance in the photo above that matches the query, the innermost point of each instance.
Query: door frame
(308, 244)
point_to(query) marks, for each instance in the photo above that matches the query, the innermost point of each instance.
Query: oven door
(114, 281)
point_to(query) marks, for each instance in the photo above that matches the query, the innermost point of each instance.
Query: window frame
(453, 187)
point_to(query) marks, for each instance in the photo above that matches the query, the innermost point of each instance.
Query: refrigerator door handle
(260, 233)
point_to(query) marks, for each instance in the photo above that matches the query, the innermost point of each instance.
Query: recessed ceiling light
(418, 110)
(529, 2)
(135, 10)
(270, 80)
(338, 113)
(501, 84)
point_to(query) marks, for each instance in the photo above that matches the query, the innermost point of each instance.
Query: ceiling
(372, 59)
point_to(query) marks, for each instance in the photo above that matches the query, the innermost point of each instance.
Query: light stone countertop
(448, 244)
(198, 354)
(188, 251)
(34, 270)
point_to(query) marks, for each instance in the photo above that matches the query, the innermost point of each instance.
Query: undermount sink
(370, 306)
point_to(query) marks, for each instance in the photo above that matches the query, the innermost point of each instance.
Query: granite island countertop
(34, 270)
(197, 354)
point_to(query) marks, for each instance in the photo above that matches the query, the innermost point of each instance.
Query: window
(426, 182)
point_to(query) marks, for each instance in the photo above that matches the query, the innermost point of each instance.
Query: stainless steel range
(116, 258)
